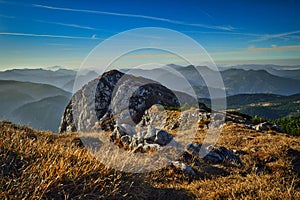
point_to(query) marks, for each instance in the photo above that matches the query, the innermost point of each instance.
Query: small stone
(115, 135)
(139, 148)
(150, 135)
(126, 129)
(134, 143)
(163, 138)
(126, 140)
(183, 167)
(193, 148)
(151, 147)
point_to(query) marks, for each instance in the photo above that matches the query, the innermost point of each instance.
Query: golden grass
(42, 165)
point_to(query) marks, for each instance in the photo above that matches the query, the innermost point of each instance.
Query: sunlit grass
(42, 165)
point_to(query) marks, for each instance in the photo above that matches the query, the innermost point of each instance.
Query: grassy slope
(44, 165)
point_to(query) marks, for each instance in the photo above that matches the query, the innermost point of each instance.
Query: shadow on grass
(295, 156)
(129, 186)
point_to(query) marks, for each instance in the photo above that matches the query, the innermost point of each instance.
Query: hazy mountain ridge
(16, 94)
(258, 81)
(277, 70)
(270, 106)
(236, 81)
(56, 78)
(20, 101)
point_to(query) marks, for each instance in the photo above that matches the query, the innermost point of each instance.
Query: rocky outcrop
(117, 98)
(132, 110)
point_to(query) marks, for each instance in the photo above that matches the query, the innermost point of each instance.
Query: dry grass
(42, 165)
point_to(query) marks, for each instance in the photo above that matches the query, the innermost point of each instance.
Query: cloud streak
(48, 35)
(284, 35)
(258, 37)
(7, 16)
(68, 25)
(255, 50)
(224, 28)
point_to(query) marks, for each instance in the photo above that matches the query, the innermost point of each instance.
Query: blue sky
(39, 33)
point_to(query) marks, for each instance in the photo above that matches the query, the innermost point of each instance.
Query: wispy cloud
(221, 27)
(225, 32)
(274, 47)
(284, 35)
(48, 35)
(68, 25)
(255, 50)
(8, 16)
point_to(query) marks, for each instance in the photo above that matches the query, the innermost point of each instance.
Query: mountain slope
(35, 90)
(43, 115)
(40, 100)
(12, 99)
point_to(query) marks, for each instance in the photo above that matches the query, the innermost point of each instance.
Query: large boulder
(116, 98)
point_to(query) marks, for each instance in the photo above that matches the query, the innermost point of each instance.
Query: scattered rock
(214, 154)
(139, 148)
(183, 167)
(266, 126)
(151, 147)
(134, 143)
(151, 133)
(162, 137)
(115, 134)
(223, 153)
(127, 129)
(126, 140)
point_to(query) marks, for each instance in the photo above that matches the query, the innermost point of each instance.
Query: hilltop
(37, 164)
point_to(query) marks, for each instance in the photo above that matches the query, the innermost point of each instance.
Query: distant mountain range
(56, 78)
(36, 97)
(277, 70)
(269, 106)
(236, 81)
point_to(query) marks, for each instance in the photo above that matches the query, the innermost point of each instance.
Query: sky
(41, 34)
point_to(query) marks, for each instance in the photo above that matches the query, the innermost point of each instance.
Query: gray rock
(262, 127)
(223, 154)
(183, 167)
(126, 140)
(128, 129)
(162, 137)
(278, 128)
(151, 147)
(121, 94)
(193, 148)
(134, 143)
(139, 148)
(151, 133)
(265, 126)
(214, 154)
(115, 134)
(214, 157)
